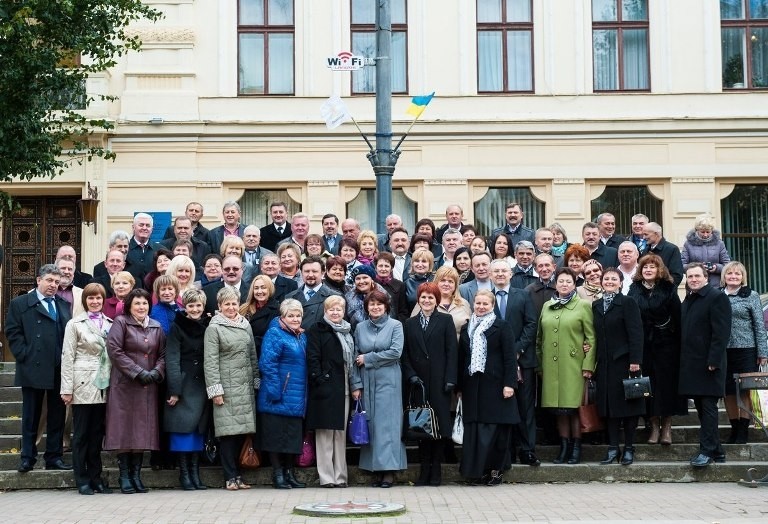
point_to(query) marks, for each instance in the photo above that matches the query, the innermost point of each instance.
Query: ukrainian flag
(419, 104)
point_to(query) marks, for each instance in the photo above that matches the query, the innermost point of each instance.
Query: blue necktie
(331, 241)
(51, 309)
(502, 296)
(310, 294)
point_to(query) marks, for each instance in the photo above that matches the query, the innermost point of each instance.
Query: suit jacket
(521, 316)
(36, 340)
(313, 308)
(607, 256)
(200, 248)
(200, 233)
(283, 286)
(468, 290)
(335, 250)
(211, 304)
(81, 279)
(540, 293)
(614, 241)
(270, 237)
(142, 262)
(216, 237)
(672, 258)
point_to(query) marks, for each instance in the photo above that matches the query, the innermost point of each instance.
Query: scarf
(95, 318)
(558, 251)
(608, 300)
(344, 334)
(478, 344)
(384, 280)
(592, 291)
(292, 331)
(558, 302)
(238, 322)
(365, 260)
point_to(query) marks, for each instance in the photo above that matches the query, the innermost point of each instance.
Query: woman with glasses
(592, 288)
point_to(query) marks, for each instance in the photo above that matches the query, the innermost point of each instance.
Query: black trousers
(32, 405)
(526, 404)
(709, 438)
(88, 436)
(230, 447)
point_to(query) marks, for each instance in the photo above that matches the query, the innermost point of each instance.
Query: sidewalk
(660, 502)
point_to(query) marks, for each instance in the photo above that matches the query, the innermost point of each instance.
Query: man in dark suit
(392, 222)
(331, 236)
(35, 331)
(313, 292)
(270, 266)
(232, 276)
(481, 268)
(194, 212)
(68, 253)
(141, 250)
(231, 226)
(544, 287)
(607, 256)
(182, 230)
(668, 251)
(516, 308)
(606, 224)
(524, 271)
(454, 216)
(398, 246)
(705, 331)
(279, 229)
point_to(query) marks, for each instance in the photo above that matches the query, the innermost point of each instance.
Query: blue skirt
(187, 442)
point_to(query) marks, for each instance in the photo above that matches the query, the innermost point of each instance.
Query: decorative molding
(208, 184)
(322, 183)
(726, 190)
(154, 34)
(700, 180)
(562, 181)
(454, 182)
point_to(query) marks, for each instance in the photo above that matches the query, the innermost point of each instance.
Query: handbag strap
(585, 400)
(423, 394)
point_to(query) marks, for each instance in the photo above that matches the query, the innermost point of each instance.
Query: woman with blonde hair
(592, 288)
(422, 262)
(368, 242)
(260, 308)
(449, 300)
(183, 268)
(122, 284)
(703, 244)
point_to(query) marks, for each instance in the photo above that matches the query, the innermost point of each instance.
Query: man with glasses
(232, 277)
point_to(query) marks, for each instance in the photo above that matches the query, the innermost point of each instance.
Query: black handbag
(419, 422)
(637, 387)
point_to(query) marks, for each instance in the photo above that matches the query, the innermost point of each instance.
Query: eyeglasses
(231, 269)
(594, 271)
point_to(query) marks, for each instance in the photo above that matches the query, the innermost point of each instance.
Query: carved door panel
(31, 238)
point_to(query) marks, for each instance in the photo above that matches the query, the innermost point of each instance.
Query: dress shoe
(85, 489)
(341, 485)
(701, 461)
(496, 478)
(327, 485)
(719, 457)
(58, 464)
(25, 466)
(385, 484)
(530, 458)
(101, 487)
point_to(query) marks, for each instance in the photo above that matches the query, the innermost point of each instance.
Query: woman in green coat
(564, 345)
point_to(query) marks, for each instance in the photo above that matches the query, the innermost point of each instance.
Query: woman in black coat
(430, 359)
(656, 295)
(188, 414)
(260, 308)
(487, 378)
(330, 361)
(619, 334)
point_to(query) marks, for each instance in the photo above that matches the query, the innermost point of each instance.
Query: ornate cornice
(162, 35)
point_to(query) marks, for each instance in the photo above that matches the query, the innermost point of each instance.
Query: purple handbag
(358, 425)
(307, 457)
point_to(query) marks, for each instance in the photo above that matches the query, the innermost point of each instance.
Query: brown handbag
(588, 416)
(249, 457)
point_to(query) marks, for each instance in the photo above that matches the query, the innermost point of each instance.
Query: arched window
(254, 205)
(625, 201)
(363, 209)
(490, 211)
(745, 231)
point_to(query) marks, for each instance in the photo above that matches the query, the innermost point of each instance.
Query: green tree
(47, 50)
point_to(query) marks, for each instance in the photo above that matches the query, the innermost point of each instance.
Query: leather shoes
(701, 461)
(530, 458)
(385, 484)
(719, 457)
(85, 489)
(58, 464)
(101, 487)
(25, 466)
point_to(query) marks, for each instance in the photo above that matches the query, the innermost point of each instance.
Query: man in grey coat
(313, 292)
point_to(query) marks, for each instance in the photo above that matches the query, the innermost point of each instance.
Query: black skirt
(280, 434)
(485, 447)
(740, 360)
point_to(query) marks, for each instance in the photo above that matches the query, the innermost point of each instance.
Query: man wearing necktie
(331, 236)
(313, 292)
(35, 331)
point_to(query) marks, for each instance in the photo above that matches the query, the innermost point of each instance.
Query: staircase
(652, 463)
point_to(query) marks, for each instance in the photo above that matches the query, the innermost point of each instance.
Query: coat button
(554, 344)
(555, 330)
(194, 362)
(557, 316)
(554, 358)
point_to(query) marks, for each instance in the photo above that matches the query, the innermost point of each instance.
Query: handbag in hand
(457, 435)
(307, 457)
(589, 418)
(637, 387)
(419, 422)
(249, 457)
(358, 425)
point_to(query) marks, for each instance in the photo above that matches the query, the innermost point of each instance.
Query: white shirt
(627, 279)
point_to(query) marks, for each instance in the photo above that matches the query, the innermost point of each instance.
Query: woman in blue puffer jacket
(283, 393)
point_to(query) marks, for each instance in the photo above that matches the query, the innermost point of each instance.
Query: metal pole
(383, 159)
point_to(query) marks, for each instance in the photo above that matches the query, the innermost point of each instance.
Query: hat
(363, 270)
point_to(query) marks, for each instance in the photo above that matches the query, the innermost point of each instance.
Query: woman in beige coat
(85, 371)
(231, 376)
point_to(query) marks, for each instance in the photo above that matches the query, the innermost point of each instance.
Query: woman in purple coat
(703, 244)
(136, 346)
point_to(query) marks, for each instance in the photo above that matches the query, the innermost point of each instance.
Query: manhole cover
(349, 508)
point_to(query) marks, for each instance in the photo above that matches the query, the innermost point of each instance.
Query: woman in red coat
(136, 346)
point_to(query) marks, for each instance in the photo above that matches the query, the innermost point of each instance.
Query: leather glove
(156, 376)
(415, 380)
(144, 377)
(449, 387)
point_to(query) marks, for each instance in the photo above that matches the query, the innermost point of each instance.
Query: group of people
(285, 329)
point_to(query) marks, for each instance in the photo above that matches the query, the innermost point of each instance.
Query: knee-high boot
(194, 470)
(137, 460)
(565, 452)
(575, 452)
(124, 465)
(184, 478)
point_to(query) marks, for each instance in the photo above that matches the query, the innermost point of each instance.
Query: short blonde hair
(449, 272)
(191, 296)
(227, 293)
(334, 300)
(367, 233)
(486, 293)
(232, 240)
(124, 275)
(290, 304)
(704, 222)
(181, 262)
(734, 264)
(423, 255)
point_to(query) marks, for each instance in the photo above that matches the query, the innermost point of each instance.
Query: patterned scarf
(478, 344)
(593, 291)
(558, 251)
(344, 334)
(608, 300)
(558, 302)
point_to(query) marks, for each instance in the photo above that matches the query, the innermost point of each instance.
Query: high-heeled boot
(124, 465)
(655, 431)
(564, 453)
(575, 452)
(194, 471)
(666, 431)
(734, 431)
(290, 478)
(137, 460)
(611, 456)
(184, 478)
(742, 431)
(278, 478)
(628, 457)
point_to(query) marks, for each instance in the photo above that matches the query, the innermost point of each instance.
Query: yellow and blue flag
(419, 104)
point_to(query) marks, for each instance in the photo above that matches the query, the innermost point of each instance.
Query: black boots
(137, 460)
(629, 455)
(734, 431)
(565, 451)
(611, 456)
(575, 452)
(291, 479)
(436, 466)
(124, 465)
(184, 478)
(194, 470)
(278, 478)
(742, 431)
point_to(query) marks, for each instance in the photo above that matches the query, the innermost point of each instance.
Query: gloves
(144, 377)
(156, 376)
(449, 387)
(414, 380)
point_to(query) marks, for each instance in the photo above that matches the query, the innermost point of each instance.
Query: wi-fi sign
(345, 56)
(346, 61)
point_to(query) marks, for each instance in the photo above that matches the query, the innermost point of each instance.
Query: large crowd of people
(259, 335)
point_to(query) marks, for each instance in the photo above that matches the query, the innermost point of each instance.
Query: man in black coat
(516, 307)
(35, 331)
(705, 331)
(194, 212)
(331, 236)
(279, 229)
(668, 252)
(182, 230)
(232, 276)
(141, 250)
(544, 288)
(606, 223)
(68, 253)
(270, 266)
(607, 256)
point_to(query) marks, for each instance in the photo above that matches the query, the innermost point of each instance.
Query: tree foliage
(48, 48)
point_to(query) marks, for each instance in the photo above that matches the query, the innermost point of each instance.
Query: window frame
(266, 29)
(620, 25)
(747, 24)
(505, 28)
(371, 28)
